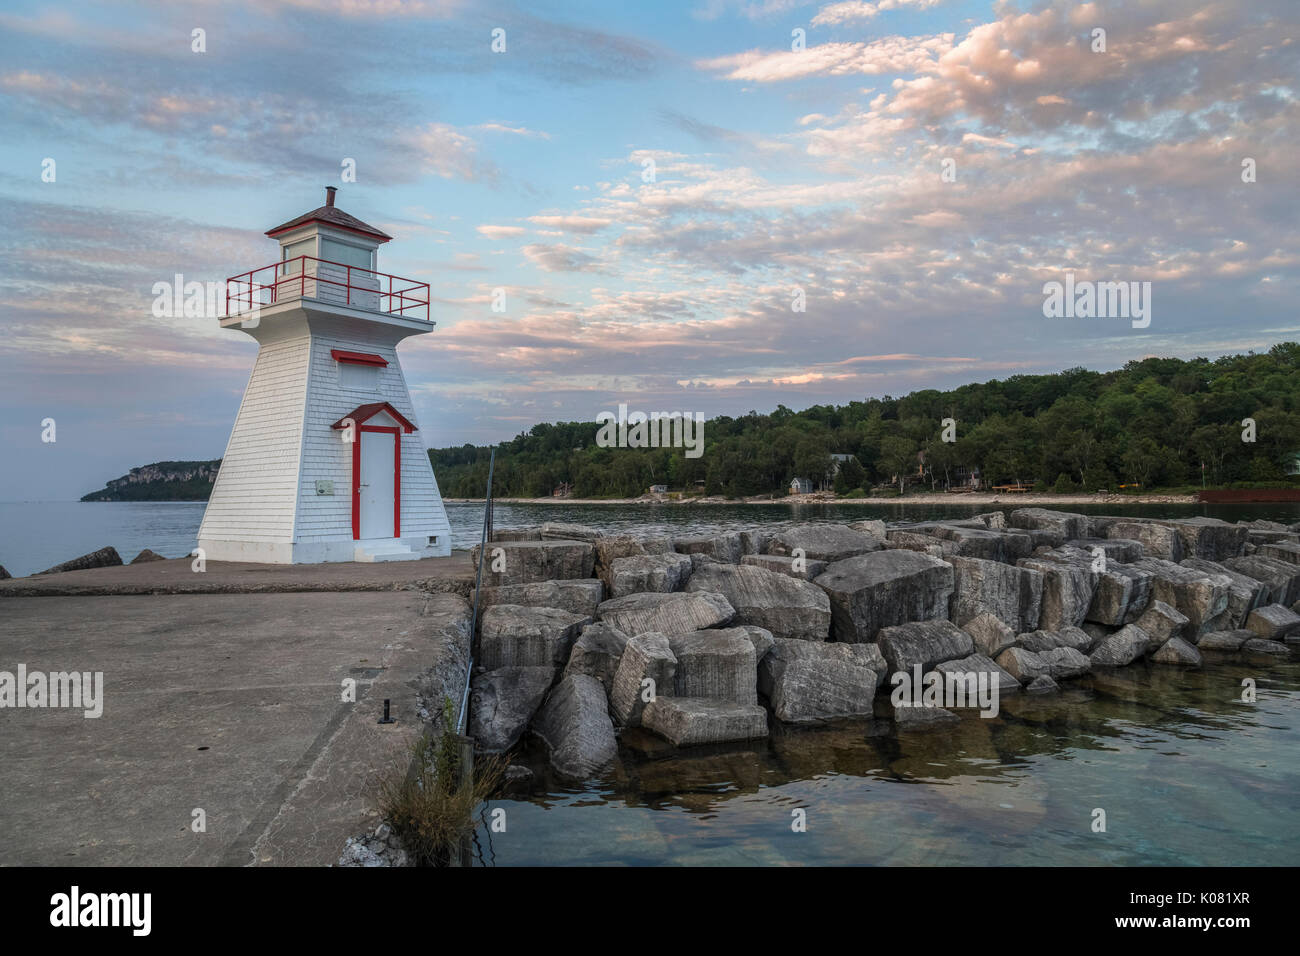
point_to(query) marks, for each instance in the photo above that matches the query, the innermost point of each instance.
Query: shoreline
(979, 500)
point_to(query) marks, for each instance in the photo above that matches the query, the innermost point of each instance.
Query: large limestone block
(778, 603)
(1065, 523)
(1274, 622)
(717, 664)
(812, 681)
(1281, 579)
(1244, 593)
(574, 722)
(648, 572)
(1067, 592)
(1013, 595)
(580, 596)
(926, 643)
(1178, 652)
(990, 634)
(559, 531)
(677, 613)
(597, 652)
(515, 636)
(503, 702)
(883, 588)
(801, 568)
(1121, 648)
(646, 670)
(1209, 538)
(1202, 597)
(1157, 540)
(823, 542)
(1287, 552)
(1160, 623)
(523, 562)
(972, 667)
(727, 548)
(687, 721)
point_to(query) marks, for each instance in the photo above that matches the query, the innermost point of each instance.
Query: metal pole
(478, 583)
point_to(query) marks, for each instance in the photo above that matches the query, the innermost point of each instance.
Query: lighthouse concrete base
(321, 552)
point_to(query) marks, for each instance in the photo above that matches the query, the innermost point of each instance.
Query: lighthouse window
(307, 247)
(361, 377)
(348, 255)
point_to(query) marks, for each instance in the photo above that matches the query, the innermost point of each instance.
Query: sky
(654, 186)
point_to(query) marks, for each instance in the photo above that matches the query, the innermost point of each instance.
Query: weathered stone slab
(1273, 622)
(990, 634)
(1178, 652)
(784, 564)
(978, 664)
(1244, 593)
(523, 562)
(646, 657)
(1161, 622)
(1042, 641)
(1201, 597)
(1281, 579)
(873, 527)
(914, 719)
(559, 531)
(1287, 552)
(786, 606)
(1120, 592)
(637, 573)
(1024, 665)
(717, 664)
(1225, 641)
(579, 596)
(575, 725)
(103, 558)
(503, 702)
(1157, 540)
(804, 680)
(1012, 594)
(687, 721)
(1064, 523)
(597, 652)
(726, 548)
(517, 534)
(1123, 550)
(922, 543)
(884, 588)
(1067, 591)
(1259, 647)
(926, 643)
(514, 636)
(824, 542)
(677, 613)
(1208, 538)
(1042, 684)
(1065, 662)
(1121, 648)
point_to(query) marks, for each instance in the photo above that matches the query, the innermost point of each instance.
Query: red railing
(251, 288)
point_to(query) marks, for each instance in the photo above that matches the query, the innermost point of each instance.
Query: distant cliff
(162, 481)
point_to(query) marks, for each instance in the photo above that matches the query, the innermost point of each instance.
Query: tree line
(1156, 422)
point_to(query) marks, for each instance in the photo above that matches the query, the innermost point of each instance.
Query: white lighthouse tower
(326, 461)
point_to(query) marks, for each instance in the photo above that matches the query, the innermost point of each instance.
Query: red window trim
(358, 358)
(397, 479)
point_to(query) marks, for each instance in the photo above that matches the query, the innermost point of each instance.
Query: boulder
(145, 556)
(1042, 684)
(1042, 641)
(1120, 592)
(726, 548)
(695, 720)
(557, 531)
(3, 573)
(755, 542)
(784, 564)
(638, 573)
(574, 723)
(1288, 552)
(1121, 648)
(760, 637)
(920, 718)
(677, 613)
(1208, 538)
(1064, 523)
(609, 548)
(580, 596)
(1012, 594)
(1199, 596)
(873, 527)
(1225, 641)
(1281, 579)
(823, 542)
(1067, 591)
(983, 543)
(1259, 647)
(103, 558)
(1273, 622)
(1063, 663)
(922, 543)
(994, 520)
(884, 588)
(978, 664)
(1161, 622)
(804, 680)
(523, 562)
(926, 643)
(517, 534)
(597, 652)
(1025, 666)
(1122, 550)
(717, 664)
(1244, 593)
(786, 606)
(514, 636)
(1177, 651)
(646, 657)
(1157, 540)
(990, 635)
(503, 702)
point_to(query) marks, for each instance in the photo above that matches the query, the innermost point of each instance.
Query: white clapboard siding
(253, 499)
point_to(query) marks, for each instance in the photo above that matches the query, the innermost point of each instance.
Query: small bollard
(386, 719)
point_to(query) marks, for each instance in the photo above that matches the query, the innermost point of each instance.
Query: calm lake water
(1185, 771)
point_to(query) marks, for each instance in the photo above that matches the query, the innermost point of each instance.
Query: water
(1186, 773)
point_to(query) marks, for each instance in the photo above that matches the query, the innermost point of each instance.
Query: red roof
(363, 413)
(334, 217)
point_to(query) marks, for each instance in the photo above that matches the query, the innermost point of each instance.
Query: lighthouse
(326, 461)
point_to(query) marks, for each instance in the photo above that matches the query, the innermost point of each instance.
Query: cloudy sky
(774, 168)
